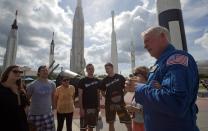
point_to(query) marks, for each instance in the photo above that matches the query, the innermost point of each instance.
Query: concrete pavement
(202, 120)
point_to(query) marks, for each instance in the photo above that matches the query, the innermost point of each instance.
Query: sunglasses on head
(17, 71)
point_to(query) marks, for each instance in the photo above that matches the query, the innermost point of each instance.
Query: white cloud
(203, 40)
(184, 3)
(128, 25)
(39, 18)
(43, 17)
(194, 10)
(191, 29)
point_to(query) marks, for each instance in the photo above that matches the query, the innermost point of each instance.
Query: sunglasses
(139, 74)
(90, 68)
(44, 69)
(17, 71)
(135, 73)
(64, 80)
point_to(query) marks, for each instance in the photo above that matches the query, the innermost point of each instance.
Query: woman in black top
(12, 101)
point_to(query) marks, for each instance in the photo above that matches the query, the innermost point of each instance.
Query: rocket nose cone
(163, 5)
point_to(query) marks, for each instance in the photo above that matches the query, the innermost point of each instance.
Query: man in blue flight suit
(169, 96)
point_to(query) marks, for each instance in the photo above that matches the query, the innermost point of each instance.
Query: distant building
(30, 73)
(203, 67)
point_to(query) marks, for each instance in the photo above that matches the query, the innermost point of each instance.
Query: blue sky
(37, 20)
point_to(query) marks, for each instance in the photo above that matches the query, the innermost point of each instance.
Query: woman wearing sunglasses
(12, 101)
(64, 103)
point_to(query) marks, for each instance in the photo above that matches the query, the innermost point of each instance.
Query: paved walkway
(75, 126)
(202, 120)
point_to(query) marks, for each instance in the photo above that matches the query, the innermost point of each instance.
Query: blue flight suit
(172, 106)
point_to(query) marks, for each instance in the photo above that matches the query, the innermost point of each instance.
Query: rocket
(12, 43)
(51, 57)
(114, 53)
(132, 56)
(77, 61)
(51, 54)
(170, 16)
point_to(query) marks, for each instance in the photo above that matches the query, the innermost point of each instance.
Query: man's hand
(156, 84)
(132, 108)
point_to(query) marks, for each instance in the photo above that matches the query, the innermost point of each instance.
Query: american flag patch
(177, 59)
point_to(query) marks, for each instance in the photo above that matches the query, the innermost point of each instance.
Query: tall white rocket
(12, 43)
(170, 16)
(51, 54)
(132, 56)
(114, 53)
(77, 61)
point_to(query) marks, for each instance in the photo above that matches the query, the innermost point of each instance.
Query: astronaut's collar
(154, 68)
(166, 52)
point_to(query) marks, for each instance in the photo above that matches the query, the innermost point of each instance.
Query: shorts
(42, 122)
(111, 110)
(90, 119)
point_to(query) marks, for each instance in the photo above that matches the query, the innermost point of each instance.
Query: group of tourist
(164, 95)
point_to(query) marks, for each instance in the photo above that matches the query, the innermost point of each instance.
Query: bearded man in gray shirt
(41, 92)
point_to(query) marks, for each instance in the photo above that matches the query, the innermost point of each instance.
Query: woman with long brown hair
(12, 101)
